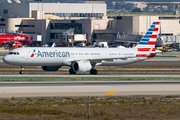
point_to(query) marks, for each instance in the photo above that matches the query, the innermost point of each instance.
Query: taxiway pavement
(84, 75)
(82, 89)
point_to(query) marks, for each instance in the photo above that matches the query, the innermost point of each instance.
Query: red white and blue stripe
(148, 41)
(150, 37)
(32, 55)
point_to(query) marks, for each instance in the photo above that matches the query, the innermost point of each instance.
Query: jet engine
(81, 66)
(50, 68)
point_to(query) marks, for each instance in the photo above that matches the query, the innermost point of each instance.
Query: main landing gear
(22, 70)
(93, 72)
(71, 71)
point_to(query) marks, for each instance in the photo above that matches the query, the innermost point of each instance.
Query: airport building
(65, 10)
(138, 25)
(64, 22)
(51, 20)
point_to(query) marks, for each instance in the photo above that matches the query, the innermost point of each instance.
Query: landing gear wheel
(71, 71)
(21, 72)
(93, 72)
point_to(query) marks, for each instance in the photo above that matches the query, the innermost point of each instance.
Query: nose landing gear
(22, 70)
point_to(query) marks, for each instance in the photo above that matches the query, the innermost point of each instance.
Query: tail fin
(149, 39)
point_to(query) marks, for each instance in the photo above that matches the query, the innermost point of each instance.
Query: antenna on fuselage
(9, 1)
(17, 1)
(53, 45)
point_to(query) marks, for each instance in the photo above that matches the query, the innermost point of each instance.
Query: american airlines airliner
(84, 59)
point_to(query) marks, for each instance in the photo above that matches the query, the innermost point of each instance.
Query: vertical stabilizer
(150, 38)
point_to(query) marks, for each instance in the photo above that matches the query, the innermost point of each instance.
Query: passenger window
(11, 53)
(17, 53)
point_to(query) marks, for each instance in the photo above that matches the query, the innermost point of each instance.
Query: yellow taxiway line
(109, 93)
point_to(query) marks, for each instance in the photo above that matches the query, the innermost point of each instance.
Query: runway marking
(109, 93)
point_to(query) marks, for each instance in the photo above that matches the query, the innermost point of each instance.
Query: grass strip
(5, 78)
(110, 108)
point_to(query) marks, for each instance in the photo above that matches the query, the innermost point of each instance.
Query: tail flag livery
(149, 39)
(147, 43)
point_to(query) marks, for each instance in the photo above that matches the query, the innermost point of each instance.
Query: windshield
(14, 53)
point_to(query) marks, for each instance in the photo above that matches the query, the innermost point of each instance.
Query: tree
(137, 10)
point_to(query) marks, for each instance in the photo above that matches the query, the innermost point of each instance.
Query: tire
(21, 72)
(93, 72)
(71, 71)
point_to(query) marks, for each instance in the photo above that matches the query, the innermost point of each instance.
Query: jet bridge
(69, 37)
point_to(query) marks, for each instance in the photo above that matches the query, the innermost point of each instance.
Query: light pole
(92, 1)
(92, 15)
(42, 21)
(41, 16)
(38, 2)
(113, 3)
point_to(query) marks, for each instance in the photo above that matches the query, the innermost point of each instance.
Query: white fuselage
(64, 56)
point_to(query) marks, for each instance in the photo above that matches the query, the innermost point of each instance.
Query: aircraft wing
(94, 60)
(109, 59)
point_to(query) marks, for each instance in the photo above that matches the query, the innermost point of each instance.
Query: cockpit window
(14, 53)
(11, 53)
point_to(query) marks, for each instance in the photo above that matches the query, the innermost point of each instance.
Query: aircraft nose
(6, 59)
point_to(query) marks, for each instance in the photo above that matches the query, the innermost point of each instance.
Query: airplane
(82, 59)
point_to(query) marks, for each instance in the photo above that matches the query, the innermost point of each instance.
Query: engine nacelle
(81, 66)
(50, 68)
